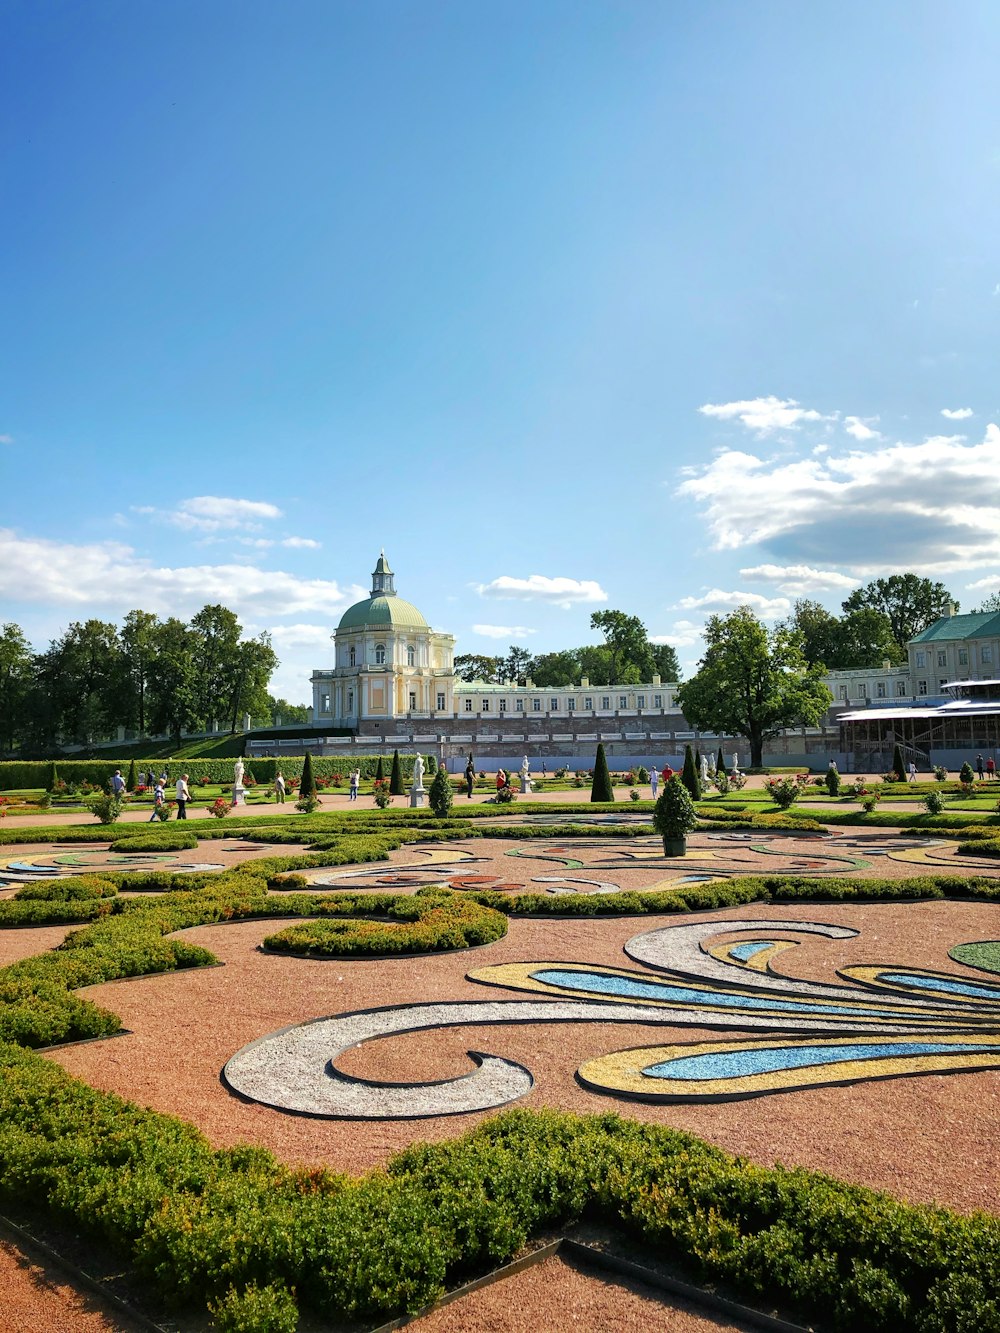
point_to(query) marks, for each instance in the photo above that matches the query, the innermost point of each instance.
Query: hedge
(32, 774)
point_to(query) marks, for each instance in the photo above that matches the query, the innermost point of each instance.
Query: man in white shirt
(183, 796)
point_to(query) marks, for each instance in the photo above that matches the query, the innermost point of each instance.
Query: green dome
(381, 610)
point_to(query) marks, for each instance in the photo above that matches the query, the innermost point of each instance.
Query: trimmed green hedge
(427, 922)
(16, 775)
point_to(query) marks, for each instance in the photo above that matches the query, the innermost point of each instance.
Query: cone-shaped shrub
(131, 780)
(833, 781)
(720, 763)
(898, 766)
(53, 778)
(674, 814)
(440, 794)
(396, 776)
(379, 770)
(689, 775)
(307, 785)
(431, 764)
(602, 789)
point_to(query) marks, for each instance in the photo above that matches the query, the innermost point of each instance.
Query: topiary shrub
(898, 763)
(642, 775)
(689, 774)
(396, 776)
(440, 796)
(934, 803)
(833, 780)
(106, 808)
(966, 775)
(307, 783)
(379, 770)
(674, 815)
(430, 764)
(132, 780)
(601, 789)
(720, 763)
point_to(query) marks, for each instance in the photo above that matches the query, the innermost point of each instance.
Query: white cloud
(6, 439)
(214, 513)
(859, 428)
(764, 415)
(717, 600)
(932, 507)
(991, 581)
(303, 543)
(683, 635)
(509, 632)
(258, 543)
(111, 575)
(562, 592)
(957, 413)
(799, 580)
(298, 636)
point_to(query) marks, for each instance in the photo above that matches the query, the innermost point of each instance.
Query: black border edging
(93, 1285)
(591, 1257)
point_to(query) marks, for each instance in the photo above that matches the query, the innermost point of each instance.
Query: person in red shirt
(668, 773)
(501, 779)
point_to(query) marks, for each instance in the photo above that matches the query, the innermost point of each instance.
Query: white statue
(736, 763)
(238, 779)
(704, 770)
(418, 773)
(525, 766)
(525, 779)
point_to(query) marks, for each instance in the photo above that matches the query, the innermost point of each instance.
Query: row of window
(880, 691)
(411, 655)
(985, 656)
(553, 704)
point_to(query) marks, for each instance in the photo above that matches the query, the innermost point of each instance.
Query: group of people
(990, 770)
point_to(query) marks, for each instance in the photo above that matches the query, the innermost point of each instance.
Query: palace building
(393, 685)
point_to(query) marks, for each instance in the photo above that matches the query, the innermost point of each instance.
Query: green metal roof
(977, 625)
(382, 611)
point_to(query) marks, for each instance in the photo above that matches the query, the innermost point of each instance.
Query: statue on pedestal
(238, 779)
(525, 779)
(417, 792)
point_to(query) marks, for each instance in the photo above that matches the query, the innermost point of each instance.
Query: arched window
(353, 656)
(380, 654)
(411, 656)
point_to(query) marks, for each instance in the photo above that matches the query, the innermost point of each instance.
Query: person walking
(118, 783)
(911, 768)
(991, 769)
(654, 779)
(279, 787)
(183, 796)
(157, 802)
(470, 777)
(355, 783)
(979, 767)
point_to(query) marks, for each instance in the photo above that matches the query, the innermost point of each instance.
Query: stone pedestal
(239, 796)
(418, 795)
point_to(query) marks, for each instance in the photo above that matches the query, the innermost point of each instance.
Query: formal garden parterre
(575, 918)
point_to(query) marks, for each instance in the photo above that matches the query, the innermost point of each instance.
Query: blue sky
(664, 307)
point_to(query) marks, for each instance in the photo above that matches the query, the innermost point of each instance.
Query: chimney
(948, 610)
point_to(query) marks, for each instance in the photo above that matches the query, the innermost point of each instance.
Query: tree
(472, 667)
(626, 639)
(307, 783)
(752, 682)
(690, 776)
(601, 789)
(252, 667)
(990, 606)
(395, 776)
(215, 638)
(440, 796)
(81, 673)
(720, 763)
(286, 712)
(16, 673)
(138, 646)
(898, 762)
(514, 667)
(665, 662)
(172, 680)
(131, 780)
(862, 638)
(379, 770)
(910, 602)
(555, 670)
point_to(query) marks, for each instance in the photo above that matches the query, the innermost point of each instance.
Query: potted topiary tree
(674, 817)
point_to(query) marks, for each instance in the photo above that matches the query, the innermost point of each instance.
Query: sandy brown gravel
(556, 1295)
(35, 1297)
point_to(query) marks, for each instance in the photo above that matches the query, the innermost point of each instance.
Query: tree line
(152, 676)
(626, 657)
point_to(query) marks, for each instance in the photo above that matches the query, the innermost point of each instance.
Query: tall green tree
(471, 667)
(281, 708)
(138, 639)
(861, 638)
(556, 670)
(911, 603)
(307, 783)
(514, 667)
(396, 776)
(16, 675)
(628, 643)
(253, 665)
(82, 670)
(665, 662)
(215, 642)
(690, 776)
(172, 680)
(752, 682)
